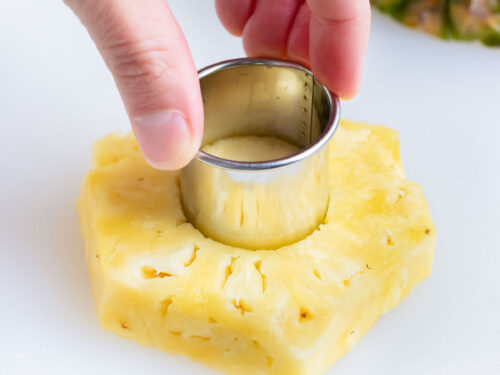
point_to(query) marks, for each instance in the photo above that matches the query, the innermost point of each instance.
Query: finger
(298, 39)
(149, 58)
(266, 32)
(234, 14)
(339, 33)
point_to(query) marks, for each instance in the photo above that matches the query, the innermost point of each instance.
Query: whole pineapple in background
(459, 19)
(291, 311)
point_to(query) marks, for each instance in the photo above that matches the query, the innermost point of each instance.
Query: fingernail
(164, 139)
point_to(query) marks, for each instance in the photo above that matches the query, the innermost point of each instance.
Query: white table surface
(56, 98)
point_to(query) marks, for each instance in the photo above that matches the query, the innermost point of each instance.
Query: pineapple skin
(449, 19)
(291, 311)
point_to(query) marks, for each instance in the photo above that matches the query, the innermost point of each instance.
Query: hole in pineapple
(149, 272)
(270, 361)
(229, 270)
(140, 179)
(427, 231)
(124, 325)
(305, 315)
(164, 305)
(212, 320)
(193, 256)
(202, 338)
(368, 267)
(347, 282)
(256, 344)
(317, 274)
(161, 275)
(401, 193)
(390, 242)
(159, 232)
(241, 305)
(258, 266)
(176, 333)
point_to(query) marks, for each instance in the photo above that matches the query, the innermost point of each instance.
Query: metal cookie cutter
(265, 204)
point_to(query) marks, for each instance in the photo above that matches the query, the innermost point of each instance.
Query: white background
(56, 98)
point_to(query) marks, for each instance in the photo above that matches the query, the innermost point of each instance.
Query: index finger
(339, 31)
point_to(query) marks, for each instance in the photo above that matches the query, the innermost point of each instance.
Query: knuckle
(137, 65)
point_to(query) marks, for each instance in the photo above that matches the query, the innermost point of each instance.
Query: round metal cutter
(265, 204)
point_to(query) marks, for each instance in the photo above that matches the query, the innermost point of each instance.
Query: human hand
(145, 50)
(329, 36)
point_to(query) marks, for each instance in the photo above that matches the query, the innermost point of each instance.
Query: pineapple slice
(292, 311)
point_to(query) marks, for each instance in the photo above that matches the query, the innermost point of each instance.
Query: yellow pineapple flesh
(291, 311)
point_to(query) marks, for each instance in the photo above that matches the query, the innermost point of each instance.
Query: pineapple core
(291, 311)
(251, 148)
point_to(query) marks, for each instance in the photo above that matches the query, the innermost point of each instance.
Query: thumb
(149, 58)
